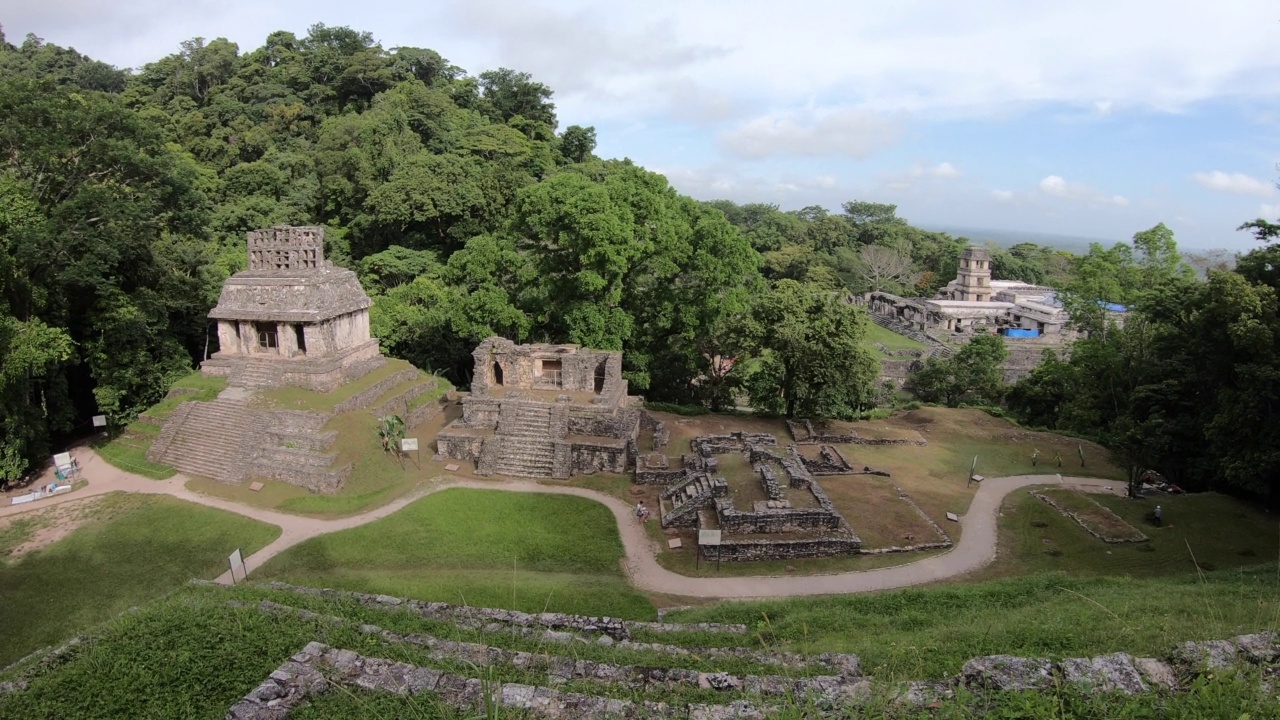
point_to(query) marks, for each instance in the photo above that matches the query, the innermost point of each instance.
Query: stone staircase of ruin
(254, 373)
(211, 439)
(936, 347)
(527, 447)
(679, 504)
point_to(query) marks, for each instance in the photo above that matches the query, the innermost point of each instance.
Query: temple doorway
(301, 338)
(497, 374)
(267, 338)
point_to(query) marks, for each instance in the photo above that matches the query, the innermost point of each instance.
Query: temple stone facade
(291, 318)
(544, 411)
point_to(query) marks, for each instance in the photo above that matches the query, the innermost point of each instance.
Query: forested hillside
(468, 211)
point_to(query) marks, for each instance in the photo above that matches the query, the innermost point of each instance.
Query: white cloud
(1103, 106)
(1054, 185)
(1269, 212)
(1002, 195)
(942, 171)
(1057, 186)
(1234, 183)
(813, 133)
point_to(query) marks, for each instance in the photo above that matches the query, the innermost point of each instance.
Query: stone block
(255, 486)
(675, 543)
(1156, 673)
(1006, 672)
(1206, 655)
(1108, 673)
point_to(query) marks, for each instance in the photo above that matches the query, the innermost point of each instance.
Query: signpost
(709, 537)
(237, 561)
(99, 420)
(407, 444)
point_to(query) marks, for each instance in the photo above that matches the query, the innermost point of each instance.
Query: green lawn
(128, 448)
(139, 549)
(205, 388)
(1220, 532)
(488, 548)
(891, 339)
(931, 632)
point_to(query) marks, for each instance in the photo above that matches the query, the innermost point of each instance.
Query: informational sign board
(62, 460)
(237, 566)
(407, 444)
(99, 420)
(708, 538)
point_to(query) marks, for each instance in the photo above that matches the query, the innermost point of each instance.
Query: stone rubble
(562, 669)
(477, 617)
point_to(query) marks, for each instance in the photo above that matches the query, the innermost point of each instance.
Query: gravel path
(977, 546)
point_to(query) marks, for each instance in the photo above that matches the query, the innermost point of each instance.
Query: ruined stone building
(544, 411)
(973, 302)
(290, 319)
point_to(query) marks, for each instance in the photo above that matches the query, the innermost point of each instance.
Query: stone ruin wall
(594, 457)
(519, 364)
(768, 522)
(755, 550)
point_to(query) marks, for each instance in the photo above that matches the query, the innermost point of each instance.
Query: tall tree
(813, 358)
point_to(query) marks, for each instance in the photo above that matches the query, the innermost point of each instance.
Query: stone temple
(291, 318)
(544, 411)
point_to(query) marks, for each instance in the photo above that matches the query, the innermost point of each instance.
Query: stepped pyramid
(291, 319)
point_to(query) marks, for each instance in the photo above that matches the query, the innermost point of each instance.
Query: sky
(1092, 118)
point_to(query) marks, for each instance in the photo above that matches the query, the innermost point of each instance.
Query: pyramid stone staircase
(679, 504)
(527, 449)
(208, 439)
(256, 373)
(936, 347)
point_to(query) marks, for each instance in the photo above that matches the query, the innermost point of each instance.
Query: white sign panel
(237, 562)
(235, 558)
(62, 460)
(708, 537)
(99, 420)
(408, 444)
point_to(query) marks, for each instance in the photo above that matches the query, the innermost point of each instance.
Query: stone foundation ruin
(797, 520)
(544, 411)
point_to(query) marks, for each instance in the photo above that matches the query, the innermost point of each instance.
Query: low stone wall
(746, 550)
(1137, 535)
(604, 422)
(294, 422)
(366, 397)
(460, 447)
(655, 469)
(805, 433)
(830, 462)
(316, 480)
(708, 445)
(599, 457)
(397, 405)
(318, 441)
(482, 413)
(425, 412)
(767, 522)
(661, 436)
